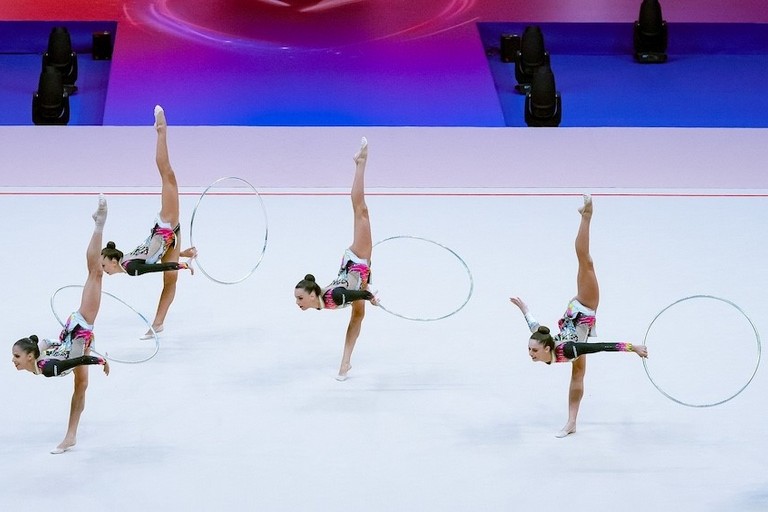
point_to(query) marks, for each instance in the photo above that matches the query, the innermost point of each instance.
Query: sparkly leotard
(60, 357)
(354, 273)
(146, 256)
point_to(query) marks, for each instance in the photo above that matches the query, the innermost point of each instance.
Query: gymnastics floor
(239, 410)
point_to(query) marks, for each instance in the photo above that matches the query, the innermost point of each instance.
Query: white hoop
(118, 299)
(266, 230)
(463, 263)
(752, 376)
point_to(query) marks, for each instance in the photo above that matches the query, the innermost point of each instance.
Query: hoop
(118, 299)
(757, 362)
(266, 230)
(463, 264)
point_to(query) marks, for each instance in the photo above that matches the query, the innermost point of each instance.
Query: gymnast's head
(110, 259)
(541, 345)
(25, 353)
(307, 293)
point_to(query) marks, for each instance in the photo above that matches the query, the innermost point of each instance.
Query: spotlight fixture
(61, 57)
(508, 47)
(650, 34)
(543, 104)
(50, 104)
(531, 56)
(102, 45)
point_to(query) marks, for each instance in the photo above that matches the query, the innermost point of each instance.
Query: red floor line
(411, 194)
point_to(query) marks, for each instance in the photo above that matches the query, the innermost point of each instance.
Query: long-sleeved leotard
(74, 340)
(342, 296)
(577, 324)
(568, 351)
(145, 257)
(349, 285)
(139, 267)
(59, 357)
(59, 367)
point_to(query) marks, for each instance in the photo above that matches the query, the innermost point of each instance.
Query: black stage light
(50, 104)
(543, 104)
(531, 56)
(61, 57)
(509, 46)
(650, 34)
(102, 45)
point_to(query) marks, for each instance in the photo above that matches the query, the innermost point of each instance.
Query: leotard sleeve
(55, 367)
(139, 267)
(533, 325)
(341, 295)
(572, 350)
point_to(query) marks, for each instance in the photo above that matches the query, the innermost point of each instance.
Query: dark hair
(309, 285)
(111, 252)
(542, 336)
(29, 345)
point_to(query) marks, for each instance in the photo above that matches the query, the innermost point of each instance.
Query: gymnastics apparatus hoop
(266, 230)
(118, 299)
(757, 363)
(463, 263)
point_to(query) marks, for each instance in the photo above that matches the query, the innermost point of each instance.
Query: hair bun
(543, 329)
(33, 337)
(309, 277)
(110, 245)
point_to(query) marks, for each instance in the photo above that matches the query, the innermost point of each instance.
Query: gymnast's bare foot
(362, 155)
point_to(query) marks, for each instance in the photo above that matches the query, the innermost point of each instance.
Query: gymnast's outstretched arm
(533, 325)
(572, 350)
(341, 296)
(138, 267)
(55, 367)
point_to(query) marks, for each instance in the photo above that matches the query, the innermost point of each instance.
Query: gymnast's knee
(358, 313)
(81, 381)
(170, 279)
(579, 370)
(361, 209)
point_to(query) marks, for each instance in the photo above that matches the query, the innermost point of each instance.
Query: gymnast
(576, 325)
(350, 288)
(71, 351)
(160, 251)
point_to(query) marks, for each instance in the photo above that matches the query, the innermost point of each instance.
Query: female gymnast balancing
(577, 324)
(351, 285)
(70, 353)
(163, 241)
